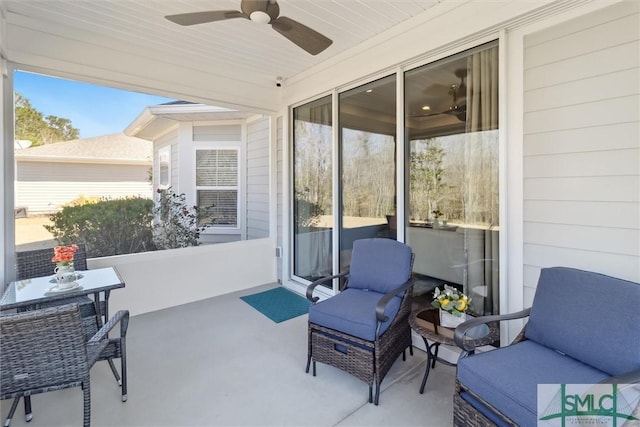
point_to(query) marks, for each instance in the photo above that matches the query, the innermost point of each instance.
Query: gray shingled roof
(113, 147)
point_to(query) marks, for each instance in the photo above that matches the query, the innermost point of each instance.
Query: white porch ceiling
(238, 48)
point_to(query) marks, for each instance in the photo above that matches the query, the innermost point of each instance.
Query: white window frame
(223, 229)
(164, 151)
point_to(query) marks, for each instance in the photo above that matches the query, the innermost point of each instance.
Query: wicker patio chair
(46, 350)
(364, 328)
(581, 342)
(37, 263)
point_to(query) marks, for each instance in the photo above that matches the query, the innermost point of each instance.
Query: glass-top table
(30, 293)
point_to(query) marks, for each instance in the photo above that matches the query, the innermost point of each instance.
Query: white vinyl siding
(44, 187)
(258, 179)
(217, 133)
(581, 146)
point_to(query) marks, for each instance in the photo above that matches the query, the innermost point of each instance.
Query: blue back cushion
(588, 316)
(379, 265)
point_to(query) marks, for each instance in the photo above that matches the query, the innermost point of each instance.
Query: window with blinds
(217, 187)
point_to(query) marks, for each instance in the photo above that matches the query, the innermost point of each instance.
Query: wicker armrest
(121, 317)
(380, 306)
(471, 344)
(314, 284)
(632, 377)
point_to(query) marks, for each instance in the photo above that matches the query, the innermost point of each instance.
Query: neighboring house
(218, 158)
(109, 166)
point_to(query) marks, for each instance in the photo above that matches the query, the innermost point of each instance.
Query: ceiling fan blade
(437, 113)
(306, 38)
(194, 18)
(459, 111)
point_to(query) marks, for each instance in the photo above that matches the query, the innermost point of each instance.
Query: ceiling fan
(458, 105)
(262, 12)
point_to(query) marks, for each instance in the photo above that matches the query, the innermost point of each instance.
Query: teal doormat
(278, 304)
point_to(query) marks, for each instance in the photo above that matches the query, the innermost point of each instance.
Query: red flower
(64, 253)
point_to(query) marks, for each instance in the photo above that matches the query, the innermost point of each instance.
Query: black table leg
(432, 356)
(28, 415)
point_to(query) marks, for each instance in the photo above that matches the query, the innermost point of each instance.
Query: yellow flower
(461, 305)
(444, 302)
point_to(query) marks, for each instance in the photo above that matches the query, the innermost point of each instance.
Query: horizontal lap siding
(258, 179)
(217, 133)
(45, 187)
(581, 145)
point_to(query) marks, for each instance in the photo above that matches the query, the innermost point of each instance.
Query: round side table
(426, 323)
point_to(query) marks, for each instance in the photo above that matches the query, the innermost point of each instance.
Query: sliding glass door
(451, 135)
(312, 189)
(367, 164)
(345, 186)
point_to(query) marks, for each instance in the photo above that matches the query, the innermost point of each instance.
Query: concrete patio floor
(219, 362)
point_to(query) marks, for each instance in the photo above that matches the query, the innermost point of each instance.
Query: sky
(94, 110)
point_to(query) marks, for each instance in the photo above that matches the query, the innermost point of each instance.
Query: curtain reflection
(482, 91)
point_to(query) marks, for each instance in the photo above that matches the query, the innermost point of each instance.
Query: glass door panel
(312, 189)
(452, 176)
(368, 164)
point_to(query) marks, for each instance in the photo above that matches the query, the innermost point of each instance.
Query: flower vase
(65, 275)
(448, 320)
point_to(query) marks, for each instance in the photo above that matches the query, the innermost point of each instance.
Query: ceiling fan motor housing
(260, 11)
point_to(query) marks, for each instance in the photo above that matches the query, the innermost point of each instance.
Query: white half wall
(162, 279)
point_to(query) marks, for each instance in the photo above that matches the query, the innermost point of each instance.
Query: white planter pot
(65, 276)
(450, 321)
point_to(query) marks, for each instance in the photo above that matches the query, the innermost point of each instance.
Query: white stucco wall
(157, 280)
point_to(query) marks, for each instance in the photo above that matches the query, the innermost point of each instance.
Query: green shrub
(106, 227)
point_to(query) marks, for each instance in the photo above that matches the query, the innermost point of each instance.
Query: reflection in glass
(368, 164)
(451, 109)
(312, 189)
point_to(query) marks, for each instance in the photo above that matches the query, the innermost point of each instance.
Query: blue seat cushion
(507, 378)
(353, 312)
(379, 265)
(576, 312)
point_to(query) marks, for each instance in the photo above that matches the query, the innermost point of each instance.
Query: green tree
(59, 129)
(33, 126)
(426, 178)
